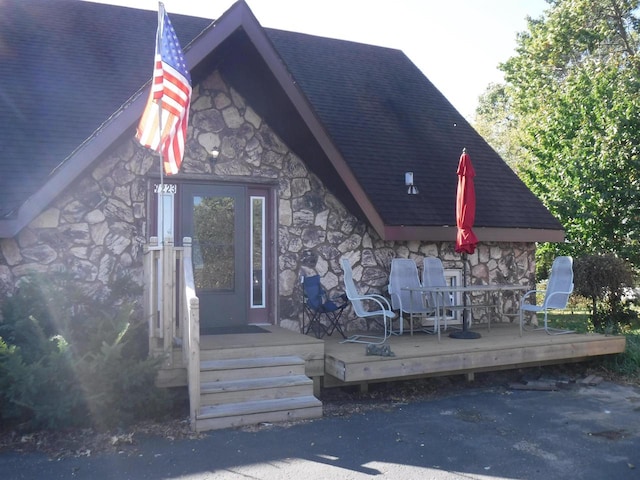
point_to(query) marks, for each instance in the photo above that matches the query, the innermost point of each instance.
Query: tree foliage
(572, 97)
(496, 123)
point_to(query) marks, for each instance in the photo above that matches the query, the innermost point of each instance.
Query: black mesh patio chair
(321, 315)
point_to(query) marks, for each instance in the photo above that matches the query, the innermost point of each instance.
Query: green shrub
(628, 362)
(601, 279)
(69, 359)
(120, 389)
(41, 394)
(621, 321)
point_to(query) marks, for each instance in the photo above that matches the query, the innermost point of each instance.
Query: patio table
(438, 292)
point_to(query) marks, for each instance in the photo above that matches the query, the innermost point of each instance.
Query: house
(296, 156)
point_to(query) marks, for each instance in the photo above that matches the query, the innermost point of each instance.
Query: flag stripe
(157, 87)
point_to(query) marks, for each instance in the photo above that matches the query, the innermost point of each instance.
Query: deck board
(498, 349)
(277, 336)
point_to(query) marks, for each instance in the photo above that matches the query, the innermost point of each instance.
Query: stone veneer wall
(509, 263)
(98, 227)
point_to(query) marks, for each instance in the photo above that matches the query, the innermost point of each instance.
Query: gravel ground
(338, 402)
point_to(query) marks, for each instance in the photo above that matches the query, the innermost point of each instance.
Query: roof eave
(484, 234)
(69, 170)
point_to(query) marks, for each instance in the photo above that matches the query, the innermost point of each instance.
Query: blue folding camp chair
(321, 315)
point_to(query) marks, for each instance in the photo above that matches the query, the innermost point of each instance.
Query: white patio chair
(404, 274)
(433, 276)
(559, 289)
(360, 303)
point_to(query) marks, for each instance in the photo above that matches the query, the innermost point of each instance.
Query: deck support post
(317, 386)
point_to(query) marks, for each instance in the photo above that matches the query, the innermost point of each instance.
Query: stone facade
(98, 227)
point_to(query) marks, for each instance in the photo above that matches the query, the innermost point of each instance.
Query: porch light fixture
(408, 181)
(215, 151)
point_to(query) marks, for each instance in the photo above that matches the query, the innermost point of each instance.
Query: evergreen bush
(69, 359)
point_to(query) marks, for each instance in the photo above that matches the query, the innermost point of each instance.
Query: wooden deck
(421, 355)
(416, 356)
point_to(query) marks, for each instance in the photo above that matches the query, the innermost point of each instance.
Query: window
(257, 249)
(454, 278)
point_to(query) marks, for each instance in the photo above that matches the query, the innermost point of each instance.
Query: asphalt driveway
(584, 432)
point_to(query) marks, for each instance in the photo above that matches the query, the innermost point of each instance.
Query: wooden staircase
(251, 390)
(232, 379)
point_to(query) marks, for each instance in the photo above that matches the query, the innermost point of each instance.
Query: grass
(626, 364)
(570, 320)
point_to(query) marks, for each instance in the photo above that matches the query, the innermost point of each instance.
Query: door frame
(269, 314)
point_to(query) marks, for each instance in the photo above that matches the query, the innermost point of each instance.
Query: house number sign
(165, 188)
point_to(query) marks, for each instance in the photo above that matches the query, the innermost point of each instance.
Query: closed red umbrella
(466, 240)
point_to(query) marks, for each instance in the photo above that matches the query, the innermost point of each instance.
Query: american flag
(163, 126)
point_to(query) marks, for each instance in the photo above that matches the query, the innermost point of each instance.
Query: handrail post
(150, 302)
(185, 297)
(190, 322)
(193, 367)
(168, 295)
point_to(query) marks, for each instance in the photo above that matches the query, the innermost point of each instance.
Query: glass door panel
(214, 242)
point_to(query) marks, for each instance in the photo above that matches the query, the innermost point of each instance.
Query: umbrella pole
(465, 333)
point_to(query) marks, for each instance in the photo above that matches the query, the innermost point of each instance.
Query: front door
(227, 225)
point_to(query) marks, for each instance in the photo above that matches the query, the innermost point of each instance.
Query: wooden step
(284, 343)
(261, 411)
(251, 362)
(245, 368)
(305, 351)
(243, 390)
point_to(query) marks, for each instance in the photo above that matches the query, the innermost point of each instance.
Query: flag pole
(160, 150)
(161, 191)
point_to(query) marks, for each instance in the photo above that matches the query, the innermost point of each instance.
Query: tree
(572, 94)
(496, 123)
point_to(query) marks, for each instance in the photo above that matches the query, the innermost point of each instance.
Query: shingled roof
(387, 118)
(71, 78)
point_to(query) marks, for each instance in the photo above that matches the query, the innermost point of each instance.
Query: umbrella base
(465, 335)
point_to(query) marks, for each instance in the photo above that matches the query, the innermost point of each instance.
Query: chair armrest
(380, 299)
(383, 303)
(342, 296)
(525, 295)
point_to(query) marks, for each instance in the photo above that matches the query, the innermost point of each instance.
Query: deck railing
(173, 312)
(190, 331)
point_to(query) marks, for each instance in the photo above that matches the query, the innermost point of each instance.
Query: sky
(457, 44)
